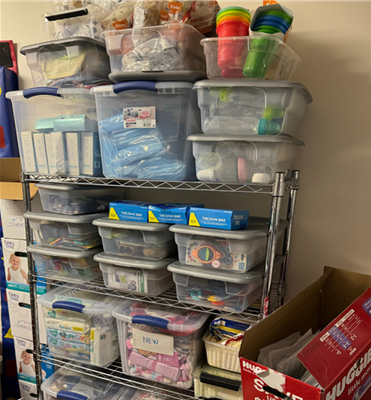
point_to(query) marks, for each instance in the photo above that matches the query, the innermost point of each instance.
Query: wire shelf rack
(114, 374)
(168, 298)
(167, 185)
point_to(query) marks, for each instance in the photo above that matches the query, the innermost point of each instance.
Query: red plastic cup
(232, 28)
(229, 50)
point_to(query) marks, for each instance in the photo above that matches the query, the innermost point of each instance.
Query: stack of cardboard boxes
(16, 274)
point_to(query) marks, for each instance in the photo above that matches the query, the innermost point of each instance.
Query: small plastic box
(140, 276)
(57, 131)
(67, 385)
(171, 337)
(217, 289)
(75, 199)
(219, 356)
(251, 108)
(245, 57)
(165, 52)
(65, 231)
(212, 383)
(65, 265)
(78, 61)
(136, 239)
(234, 251)
(143, 128)
(80, 326)
(238, 159)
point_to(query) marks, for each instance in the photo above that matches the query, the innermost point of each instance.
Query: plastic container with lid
(71, 385)
(136, 239)
(160, 343)
(212, 383)
(75, 199)
(251, 107)
(75, 61)
(166, 52)
(238, 159)
(234, 251)
(140, 276)
(80, 326)
(245, 57)
(217, 289)
(57, 131)
(65, 265)
(65, 231)
(143, 128)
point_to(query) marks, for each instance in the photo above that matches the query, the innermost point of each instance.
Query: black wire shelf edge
(113, 373)
(168, 298)
(172, 185)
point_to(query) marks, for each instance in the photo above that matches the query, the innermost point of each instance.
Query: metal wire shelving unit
(272, 294)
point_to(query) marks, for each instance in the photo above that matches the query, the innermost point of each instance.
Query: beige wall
(332, 224)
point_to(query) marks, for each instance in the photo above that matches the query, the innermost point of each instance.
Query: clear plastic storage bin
(257, 57)
(235, 159)
(80, 326)
(68, 385)
(217, 289)
(133, 394)
(215, 383)
(57, 131)
(145, 328)
(79, 22)
(251, 108)
(140, 276)
(165, 52)
(136, 239)
(234, 251)
(65, 265)
(143, 128)
(65, 231)
(75, 199)
(71, 62)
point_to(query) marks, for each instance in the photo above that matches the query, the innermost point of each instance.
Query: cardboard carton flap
(298, 314)
(342, 344)
(13, 190)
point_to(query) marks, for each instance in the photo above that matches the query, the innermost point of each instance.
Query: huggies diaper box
(338, 305)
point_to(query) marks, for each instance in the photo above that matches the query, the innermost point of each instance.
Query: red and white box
(339, 357)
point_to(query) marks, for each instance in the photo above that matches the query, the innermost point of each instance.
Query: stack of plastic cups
(262, 50)
(231, 22)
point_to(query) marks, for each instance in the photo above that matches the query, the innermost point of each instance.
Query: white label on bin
(153, 342)
(139, 117)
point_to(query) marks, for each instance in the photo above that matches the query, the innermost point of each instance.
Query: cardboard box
(25, 361)
(219, 219)
(20, 315)
(339, 303)
(27, 390)
(170, 213)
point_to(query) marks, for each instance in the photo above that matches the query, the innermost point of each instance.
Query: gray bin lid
(61, 186)
(58, 252)
(132, 262)
(140, 226)
(69, 219)
(246, 138)
(78, 40)
(257, 229)
(248, 277)
(226, 83)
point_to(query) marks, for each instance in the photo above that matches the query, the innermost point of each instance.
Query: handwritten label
(153, 342)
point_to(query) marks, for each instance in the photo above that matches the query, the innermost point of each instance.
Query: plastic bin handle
(66, 395)
(134, 85)
(68, 305)
(41, 91)
(226, 383)
(152, 321)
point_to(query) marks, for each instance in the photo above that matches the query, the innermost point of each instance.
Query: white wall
(332, 223)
